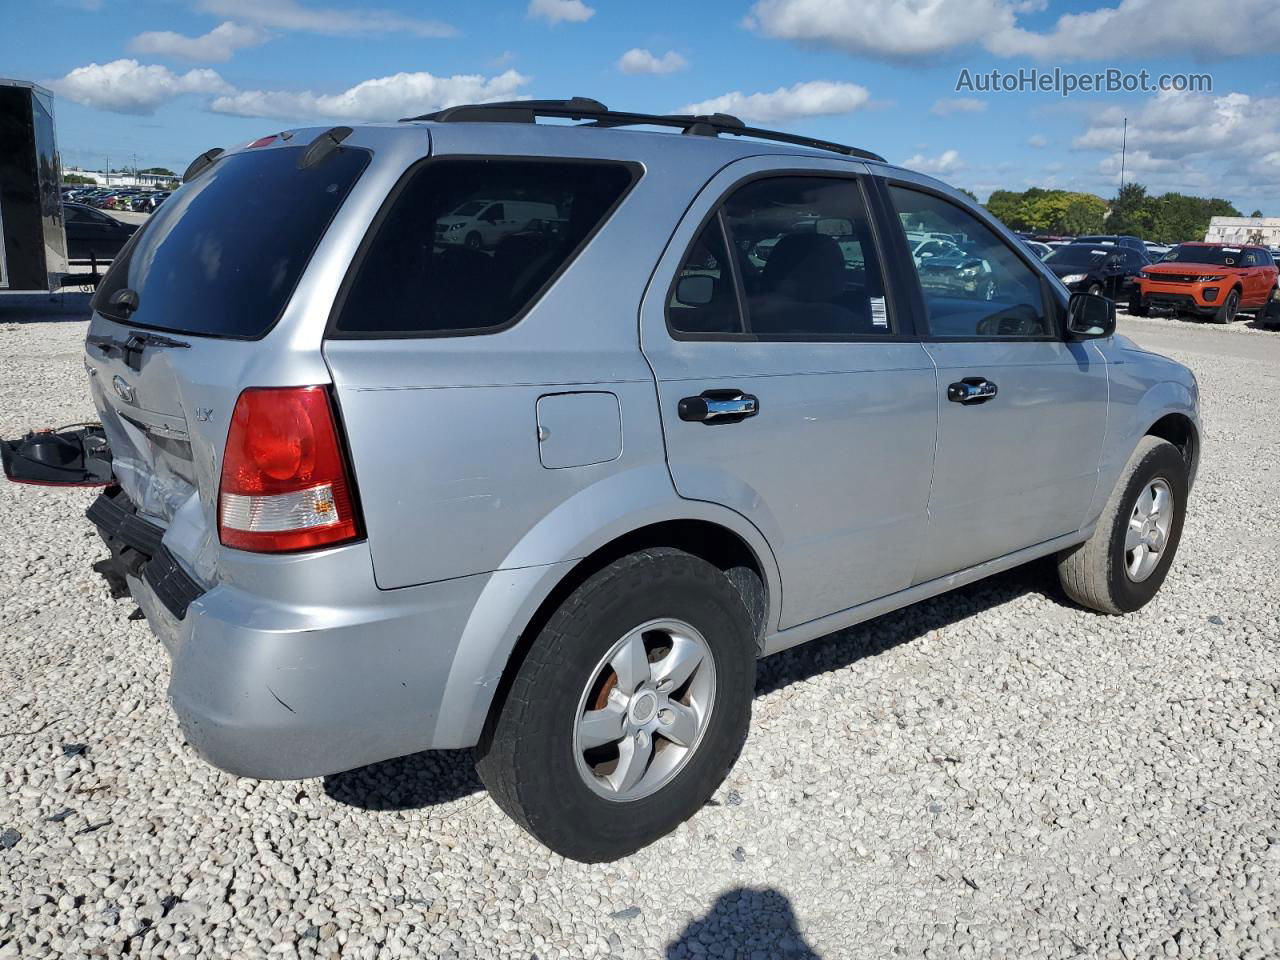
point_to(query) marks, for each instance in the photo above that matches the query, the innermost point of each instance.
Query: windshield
(1076, 255)
(1217, 256)
(221, 257)
(469, 209)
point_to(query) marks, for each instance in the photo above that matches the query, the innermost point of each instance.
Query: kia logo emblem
(123, 389)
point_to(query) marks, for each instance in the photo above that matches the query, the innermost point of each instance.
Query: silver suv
(551, 497)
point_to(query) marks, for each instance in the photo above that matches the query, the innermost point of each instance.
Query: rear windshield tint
(222, 255)
(467, 245)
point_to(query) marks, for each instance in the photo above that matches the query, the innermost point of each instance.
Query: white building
(121, 179)
(1241, 229)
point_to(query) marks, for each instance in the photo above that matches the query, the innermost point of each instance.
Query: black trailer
(33, 242)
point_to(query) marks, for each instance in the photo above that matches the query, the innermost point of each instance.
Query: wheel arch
(1180, 430)
(517, 601)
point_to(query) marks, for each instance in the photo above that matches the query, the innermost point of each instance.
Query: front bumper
(1182, 297)
(293, 665)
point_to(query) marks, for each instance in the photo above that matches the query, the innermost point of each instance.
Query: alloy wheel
(644, 710)
(1148, 532)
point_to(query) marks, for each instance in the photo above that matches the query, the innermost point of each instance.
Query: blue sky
(166, 79)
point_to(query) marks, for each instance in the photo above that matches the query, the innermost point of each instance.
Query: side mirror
(1090, 317)
(695, 290)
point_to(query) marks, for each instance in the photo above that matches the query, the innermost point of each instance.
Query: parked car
(1156, 250)
(1212, 280)
(154, 200)
(1107, 240)
(1041, 250)
(92, 234)
(484, 223)
(1103, 271)
(378, 494)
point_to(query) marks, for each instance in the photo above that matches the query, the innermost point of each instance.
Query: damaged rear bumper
(291, 666)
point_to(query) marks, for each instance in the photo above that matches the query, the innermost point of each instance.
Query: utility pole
(1124, 142)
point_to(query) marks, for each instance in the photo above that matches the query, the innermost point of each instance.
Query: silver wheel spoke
(673, 670)
(682, 729)
(631, 664)
(598, 727)
(634, 754)
(1133, 535)
(1159, 501)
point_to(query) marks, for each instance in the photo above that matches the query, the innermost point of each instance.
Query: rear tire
(1230, 307)
(570, 779)
(1107, 572)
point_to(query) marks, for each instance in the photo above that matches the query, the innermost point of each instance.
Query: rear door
(792, 388)
(1022, 414)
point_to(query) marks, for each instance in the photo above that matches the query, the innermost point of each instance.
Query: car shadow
(869, 639)
(419, 780)
(435, 777)
(744, 922)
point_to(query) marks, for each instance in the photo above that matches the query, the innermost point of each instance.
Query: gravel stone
(993, 773)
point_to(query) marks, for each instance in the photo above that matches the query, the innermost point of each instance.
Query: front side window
(429, 270)
(980, 288)
(805, 261)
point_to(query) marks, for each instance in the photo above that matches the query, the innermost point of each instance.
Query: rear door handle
(972, 390)
(718, 406)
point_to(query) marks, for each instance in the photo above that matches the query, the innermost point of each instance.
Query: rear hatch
(210, 274)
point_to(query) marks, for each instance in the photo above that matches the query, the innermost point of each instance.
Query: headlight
(1074, 277)
(455, 226)
(1209, 279)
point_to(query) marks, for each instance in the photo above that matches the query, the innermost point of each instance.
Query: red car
(1215, 280)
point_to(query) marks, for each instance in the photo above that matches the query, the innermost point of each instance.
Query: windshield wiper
(130, 349)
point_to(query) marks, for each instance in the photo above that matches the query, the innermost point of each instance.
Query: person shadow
(745, 923)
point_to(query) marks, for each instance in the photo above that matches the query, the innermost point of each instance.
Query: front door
(791, 386)
(1022, 414)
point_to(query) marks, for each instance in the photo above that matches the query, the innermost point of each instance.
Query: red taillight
(285, 484)
(263, 141)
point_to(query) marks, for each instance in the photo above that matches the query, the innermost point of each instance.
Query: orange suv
(1208, 279)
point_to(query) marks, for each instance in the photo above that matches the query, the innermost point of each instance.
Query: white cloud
(884, 29)
(382, 98)
(811, 99)
(217, 45)
(555, 11)
(638, 60)
(1136, 28)
(1037, 140)
(905, 29)
(946, 162)
(1218, 145)
(126, 86)
(291, 15)
(944, 108)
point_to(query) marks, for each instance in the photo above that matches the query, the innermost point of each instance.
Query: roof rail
(596, 114)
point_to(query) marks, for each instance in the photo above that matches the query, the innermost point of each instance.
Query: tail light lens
(285, 483)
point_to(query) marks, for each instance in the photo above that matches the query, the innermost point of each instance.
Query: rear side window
(222, 255)
(468, 245)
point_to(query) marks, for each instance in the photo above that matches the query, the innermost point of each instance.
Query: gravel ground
(990, 774)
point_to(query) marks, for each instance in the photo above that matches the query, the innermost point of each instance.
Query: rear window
(441, 263)
(223, 254)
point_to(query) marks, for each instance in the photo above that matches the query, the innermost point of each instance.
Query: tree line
(1168, 218)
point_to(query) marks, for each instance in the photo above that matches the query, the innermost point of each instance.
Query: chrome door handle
(972, 390)
(718, 406)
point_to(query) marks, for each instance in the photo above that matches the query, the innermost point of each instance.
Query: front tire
(1122, 565)
(628, 710)
(1230, 307)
